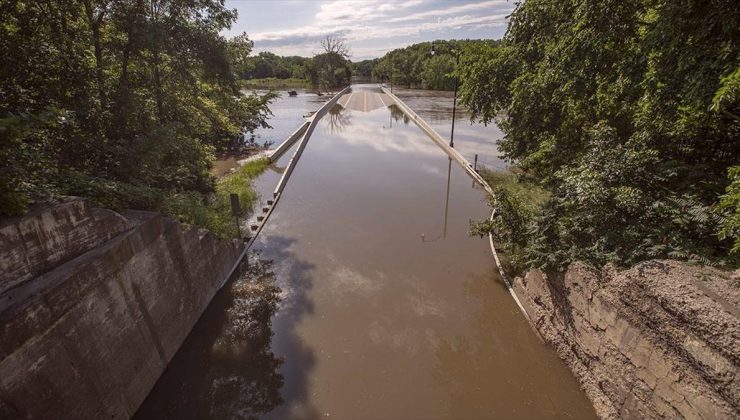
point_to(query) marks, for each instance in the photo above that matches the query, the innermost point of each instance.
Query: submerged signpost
(236, 211)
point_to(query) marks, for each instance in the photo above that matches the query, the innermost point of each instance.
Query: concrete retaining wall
(91, 336)
(659, 340)
(46, 237)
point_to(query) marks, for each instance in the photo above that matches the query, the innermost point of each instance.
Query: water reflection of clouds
(470, 138)
(404, 136)
(399, 139)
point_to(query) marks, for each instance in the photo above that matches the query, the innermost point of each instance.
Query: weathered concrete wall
(90, 337)
(46, 237)
(659, 340)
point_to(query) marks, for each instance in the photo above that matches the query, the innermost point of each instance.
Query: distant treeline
(415, 66)
(329, 69)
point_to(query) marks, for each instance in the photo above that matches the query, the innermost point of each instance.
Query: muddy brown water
(386, 307)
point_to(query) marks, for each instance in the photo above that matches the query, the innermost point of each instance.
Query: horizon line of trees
(329, 69)
(415, 67)
(411, 66)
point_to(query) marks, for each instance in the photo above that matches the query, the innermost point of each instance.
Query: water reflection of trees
(226, 367)
(337, 119)
(398, 115)
(246, 339)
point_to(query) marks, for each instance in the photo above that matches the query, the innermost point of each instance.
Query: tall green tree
(331, 68)
(625, 111)
(138, 92)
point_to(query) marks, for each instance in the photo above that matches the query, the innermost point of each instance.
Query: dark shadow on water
(226, 367)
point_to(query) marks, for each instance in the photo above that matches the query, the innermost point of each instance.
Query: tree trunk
(156, 61)
(95, 22)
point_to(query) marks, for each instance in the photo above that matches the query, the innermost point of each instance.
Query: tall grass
(517, 185)
(214, 214)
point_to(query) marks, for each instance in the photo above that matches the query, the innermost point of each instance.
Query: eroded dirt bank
(661, 339)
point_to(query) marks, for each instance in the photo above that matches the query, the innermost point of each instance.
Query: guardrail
(313, 122)
(305, 130)
(460, 159)
(285, 145)
(441, 141)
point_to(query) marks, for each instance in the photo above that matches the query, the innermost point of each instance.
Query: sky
(370, 27)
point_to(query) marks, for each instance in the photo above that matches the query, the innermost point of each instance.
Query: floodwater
(435, 107)
(288, 112)
(367, 298)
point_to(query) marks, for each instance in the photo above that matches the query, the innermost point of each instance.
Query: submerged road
(387, 308)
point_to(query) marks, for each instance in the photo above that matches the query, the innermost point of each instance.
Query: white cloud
(371, 21)
(451, 10)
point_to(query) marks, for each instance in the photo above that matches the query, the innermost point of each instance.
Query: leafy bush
(628, 113)
(729, 207)
(516, 203)
(214, 213)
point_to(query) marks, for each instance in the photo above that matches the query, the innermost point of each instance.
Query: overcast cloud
(371, 27)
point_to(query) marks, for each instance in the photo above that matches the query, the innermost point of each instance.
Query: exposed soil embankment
(94, 304)
(661, 339)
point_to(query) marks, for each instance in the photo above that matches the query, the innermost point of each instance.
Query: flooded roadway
(386, 307)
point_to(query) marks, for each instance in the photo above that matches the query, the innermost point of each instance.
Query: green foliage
(516, 201)
(415, 66)
(214, 213)
(436, 73)
(729, 206)
(267, 65)
(329, 70)
(364, 68)
(122, 102)
(274, 83)
(627, 112)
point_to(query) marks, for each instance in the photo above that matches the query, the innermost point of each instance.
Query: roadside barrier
(470, 169)
(303, 133)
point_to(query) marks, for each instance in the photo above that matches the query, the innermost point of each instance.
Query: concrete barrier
(313, 121)
(285, 145)
(441, 141)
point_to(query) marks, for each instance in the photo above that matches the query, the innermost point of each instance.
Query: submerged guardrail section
(303, 133)
(460, 159)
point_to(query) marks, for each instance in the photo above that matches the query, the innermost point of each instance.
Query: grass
(215, 214)
(526, 191)
(274, 83)
(188, 207)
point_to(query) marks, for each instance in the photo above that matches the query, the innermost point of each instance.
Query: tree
(437, 73)
(335, 45)
(617, 108)
(109, 96)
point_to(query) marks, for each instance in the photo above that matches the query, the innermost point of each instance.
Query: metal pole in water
(475, 164)
(454, 103)
(236, 211)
